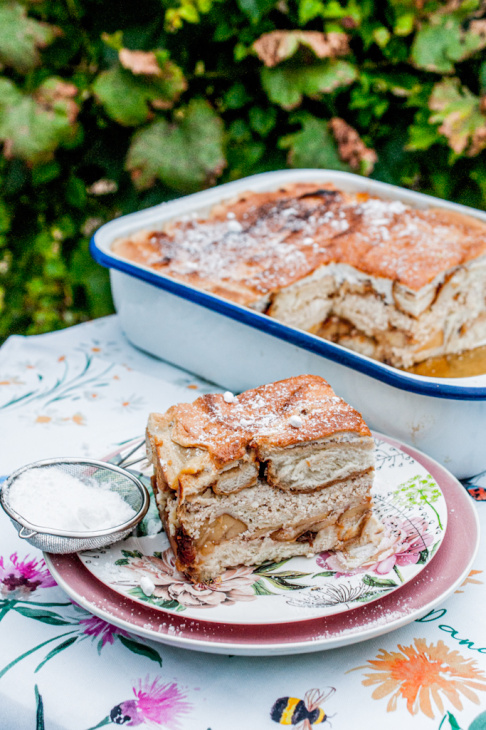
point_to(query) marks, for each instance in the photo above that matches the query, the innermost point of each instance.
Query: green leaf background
(83, 139)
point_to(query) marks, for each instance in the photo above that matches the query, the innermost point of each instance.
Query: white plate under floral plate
(438, 580)
(407, 499)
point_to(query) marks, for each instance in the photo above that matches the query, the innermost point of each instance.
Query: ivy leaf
(21, 37)
(128, 95)
(459, 114)
(255, 9)
(310, 9)
(286, 85)
(186, 154)
(262, 121)
(33, 126)
(189, 11)
(141, 649)
(313, 146)
(442, 42)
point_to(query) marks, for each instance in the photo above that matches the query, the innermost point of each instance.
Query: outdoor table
(84, 392)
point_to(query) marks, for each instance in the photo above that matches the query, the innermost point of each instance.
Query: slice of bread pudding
(279, 471)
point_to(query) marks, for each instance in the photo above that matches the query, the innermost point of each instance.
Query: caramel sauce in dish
(464, 365)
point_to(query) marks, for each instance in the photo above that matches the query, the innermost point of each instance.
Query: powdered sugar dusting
(280, 414)
(267, 241)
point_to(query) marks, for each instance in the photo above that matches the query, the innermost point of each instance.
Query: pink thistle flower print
(156, 705)
(99, 629)
(20, 578)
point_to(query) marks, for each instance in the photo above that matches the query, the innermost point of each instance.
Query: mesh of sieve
(94, 473)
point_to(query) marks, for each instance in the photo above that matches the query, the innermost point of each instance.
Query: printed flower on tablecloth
(420, 674)
(51, 417)
(92, 395)
(171, 586)
(156, 705)
(97, 628)
(93, 627)
(131, 403)
(98, 347)
(10, 380)
(404, 544)
(20, 578)
(470, 579)
(80, 627)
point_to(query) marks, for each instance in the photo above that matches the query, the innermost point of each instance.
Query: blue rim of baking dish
(329, 350)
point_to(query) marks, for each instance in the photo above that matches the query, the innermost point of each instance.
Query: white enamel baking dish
(239, 348)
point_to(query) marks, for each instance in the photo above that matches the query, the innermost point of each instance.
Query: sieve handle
(25, 535)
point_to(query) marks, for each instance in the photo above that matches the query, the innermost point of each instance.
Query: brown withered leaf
(139, 62)
(478, 27)
(351, 147)
(56, 93)
(275, 47)
(458, 111)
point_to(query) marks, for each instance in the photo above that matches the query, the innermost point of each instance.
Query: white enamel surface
(237, 356)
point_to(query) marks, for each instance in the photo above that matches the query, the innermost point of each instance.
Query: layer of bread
(227, 445)
(310, 255)
(229, 530)
(280, 470)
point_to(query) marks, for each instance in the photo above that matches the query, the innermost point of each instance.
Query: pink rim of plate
(449, 567)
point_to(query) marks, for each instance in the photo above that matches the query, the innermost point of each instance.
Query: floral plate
(437, 581)
(408, 502)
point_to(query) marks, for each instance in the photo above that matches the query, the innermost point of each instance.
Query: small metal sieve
(94, 473)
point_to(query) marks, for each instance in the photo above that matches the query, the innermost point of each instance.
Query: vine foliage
(106, 108)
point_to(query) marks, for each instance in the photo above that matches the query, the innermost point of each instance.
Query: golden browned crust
(261, 418)
(259, 243)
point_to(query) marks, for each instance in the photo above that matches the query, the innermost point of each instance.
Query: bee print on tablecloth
(302, 714)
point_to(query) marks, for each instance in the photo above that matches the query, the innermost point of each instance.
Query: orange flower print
(52, 418)
(11, 380)
(471, 579)
(132, 403)
(420, 674)
(92, 395)
(43, 418)
(78, 419)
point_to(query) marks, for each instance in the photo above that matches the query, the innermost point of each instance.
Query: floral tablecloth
(84, 392)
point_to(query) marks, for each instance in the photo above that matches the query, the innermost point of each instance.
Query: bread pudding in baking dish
(283, 470)
(396, 283)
